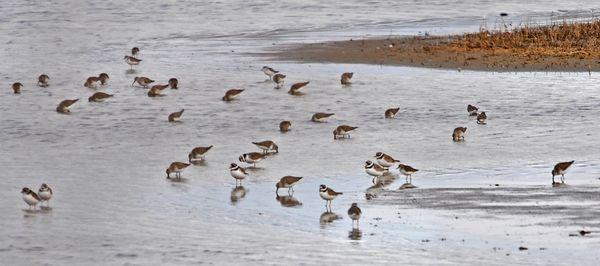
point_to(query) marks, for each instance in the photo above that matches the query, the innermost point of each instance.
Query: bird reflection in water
(355, 234)
(288, 201)
(384, 180)
(328, 217)
(237, 194)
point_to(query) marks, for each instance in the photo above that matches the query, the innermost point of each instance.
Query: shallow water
(106, 161)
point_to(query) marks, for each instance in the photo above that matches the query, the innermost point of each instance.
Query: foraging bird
(91, 82)
(561, 169)
(64, 106)
(30, 197)
(288, 182)
(142, 81)
(481, 118)
(198, 153)
(267, 146)
(251, 158)
(459, 133)
(174, 83)
(472, 110)
(295, 88)
(17, 86)
(231, 94)
(43, 80)
(345, 79)
(320, 117)
(343, 131)
(285, 126)
(177, 168)
(135, 51)
(45, 194)
(132, 61)
(385, 160)
(174, 117)
(354, 213)
(156, 89)
(237, 172)
(279, 80)
(374, 170)
(391, 113)
(407, 170)
(269, 71)
(99, 97)
(328, 195)
(103, 78)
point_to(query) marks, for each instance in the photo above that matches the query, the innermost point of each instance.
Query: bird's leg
(562, 179)
(410, 179)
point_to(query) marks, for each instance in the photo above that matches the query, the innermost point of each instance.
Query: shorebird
(198, 153)
(354, 213)
(345, 79)
(285, 126)
(237, 172)
(295, 88)
(231, 94)
(288, 182)
(391, 113)
(481, 118)
(343, 131)
(17, 86)
(30, 197)
(91, 82)
(267, 146)
(99, 97)
(269, 71)
(135, 51)
(459, 133)
(45, 194)
(374, 170)
(132, 61)
(279, 80)
(43, 80)
(251, 158)
(385, 160)
(173, 82)
(156, 89)
(177, 168)
(407, 170)
(561, 169)
(142, 81)
(103, 78)
(328, 195)
(64, 106)
(320, 117)
(174, 117)
(472, 110)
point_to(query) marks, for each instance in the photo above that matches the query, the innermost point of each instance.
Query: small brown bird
(30, 197)
(267, 146)
(345, 80)
(132, 61)
(320, 117)
(472, 110)
(459, 133)
(279, 80)
(251, 158)
(354, 213)
(45, 194)
(135, 51)
(287, 182)
(177, 168)
(43, 80)
(142, 81)
(64, 106)
(174, 117)
(103, 78)
(295, 88)
(374, 170)
(561, 169)
(391, 113)
(174, 83)
(156, 89)
(343, 131)
(237, 172)
(481, 118)
(285, 126)
(385, 160)
(198, 153)
(99, 97)
(407, 170)
(328, 195)
(17, 86)
(91, 82)
(231, 94)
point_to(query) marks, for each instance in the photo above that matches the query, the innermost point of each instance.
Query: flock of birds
(383, 162)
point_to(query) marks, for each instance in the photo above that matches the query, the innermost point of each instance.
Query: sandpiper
(267, 146)
(391, 113)
(374, 170)
(132, 61)
(345, 79)
(472, 110)
(561, 169)
(285, 126)
(459, 133)
(177, 168)
(385, 160)
(91, 82)
(320, 117)
(43, 80)
(237, 172)
(135, 51)
(142, 81)
(198, 153)
(343, 131)
(45, 194)
(279, 80)
(231, 94)
(269, 71)
(354, 213)
(174, 117)
(30, 197)
(251, 158)
(288, 182)
(99, 97)
(481, 118)
(17, 86)
(64, 106)
(174, 83)
(156, 89)
(407, 170)
(295, 88)
(103, 78)
(328, 195)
